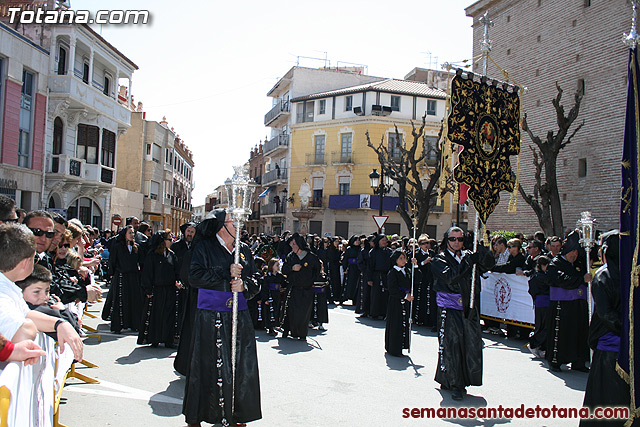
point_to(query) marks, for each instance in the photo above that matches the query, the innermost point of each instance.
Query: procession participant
(124, 303)
(396, 331)
(539, 291)
(363, 292)
(332, 267)
(605, 388)
(180, 248)
(280, 244)
(266, 250)
(350, 266)
(208, 389)
(272, 283)
(424, 304)
(379, 266)
(568, 312)
(320, 310)
(160, 278)
(255, 303)
(302, 269)
(460, 341)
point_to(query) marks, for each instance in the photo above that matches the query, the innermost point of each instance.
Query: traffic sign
(117, 220)
(380, 220)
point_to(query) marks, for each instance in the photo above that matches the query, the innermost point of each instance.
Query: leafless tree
(545, 198)
(418, 182)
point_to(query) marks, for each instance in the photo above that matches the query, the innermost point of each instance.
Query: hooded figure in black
(124, 301)
(459, 338)
(568, 311)
(209, 385)
(302, 268)
(396, 333)
(605, 388)
(187, 296)
(379, 266)
(350, 266)
(363, 291)
(160, 279)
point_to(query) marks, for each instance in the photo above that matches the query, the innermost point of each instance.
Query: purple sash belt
(449, 300)
(560, 294)
(609, 342)
(318, 289)
(352, 260)
(219, 300)
(405, 290)
(541, 301)
(274, 286)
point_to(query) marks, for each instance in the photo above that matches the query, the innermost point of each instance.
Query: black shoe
(457, 394)
(285, 334)
(272, 333)
(554, 367)
(363, 316)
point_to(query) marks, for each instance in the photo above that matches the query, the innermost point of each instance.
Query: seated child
(35, 291)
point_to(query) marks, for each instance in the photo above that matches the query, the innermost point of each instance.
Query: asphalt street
(339, 377)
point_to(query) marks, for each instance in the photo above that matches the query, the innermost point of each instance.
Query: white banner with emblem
(506, 296)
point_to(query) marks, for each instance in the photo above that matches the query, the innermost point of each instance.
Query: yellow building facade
(341, 198)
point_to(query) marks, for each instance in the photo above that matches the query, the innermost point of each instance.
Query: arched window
(87, 211)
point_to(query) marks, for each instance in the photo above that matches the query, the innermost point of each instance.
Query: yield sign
(380, 220)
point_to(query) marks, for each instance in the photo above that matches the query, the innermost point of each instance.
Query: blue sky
(207, 68)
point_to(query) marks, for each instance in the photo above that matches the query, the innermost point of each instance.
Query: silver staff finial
(485, 44)
(632, 39)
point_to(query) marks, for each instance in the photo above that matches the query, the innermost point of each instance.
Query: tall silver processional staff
(485, 48)
(586, 227)
(240, 190)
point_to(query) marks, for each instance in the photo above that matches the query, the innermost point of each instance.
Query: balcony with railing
(63, 166)
(274, 176)
(340, 157)
(279, 110)
(280, 142)
(315, 159)
(318, 202)
(87, 99)
(273, 209)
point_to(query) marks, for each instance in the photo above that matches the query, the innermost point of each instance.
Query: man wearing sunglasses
(41, 225)
(7, 209)
(460, 341)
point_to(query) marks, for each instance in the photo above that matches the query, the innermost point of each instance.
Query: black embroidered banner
(485, 120)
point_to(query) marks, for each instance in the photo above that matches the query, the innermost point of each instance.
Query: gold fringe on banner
(513, 201)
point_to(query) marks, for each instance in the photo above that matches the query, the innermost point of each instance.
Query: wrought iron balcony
(280, 109)
(274, 176)
(339, 157)
(315, 159)
(279, 142)
(273, 209)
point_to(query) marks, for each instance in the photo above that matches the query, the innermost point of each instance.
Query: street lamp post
(381, 184)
